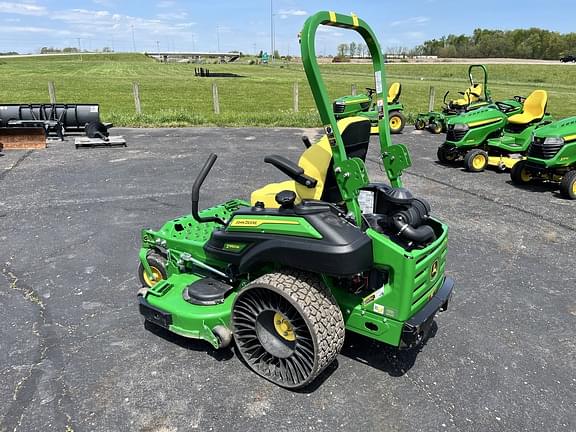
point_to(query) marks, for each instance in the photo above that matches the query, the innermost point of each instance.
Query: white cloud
(22, 9)
(30, 29)
(166, 4)
(418, 20)
(173, 16)
(285, 13)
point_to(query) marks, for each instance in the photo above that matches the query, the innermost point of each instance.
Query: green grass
(172, 96)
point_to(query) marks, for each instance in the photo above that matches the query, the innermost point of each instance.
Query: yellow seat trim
(315, 161)
(534, 108)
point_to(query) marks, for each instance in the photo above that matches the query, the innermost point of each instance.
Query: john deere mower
(364, 105)
(551, 157)
(474, 97)
(284, 275)
(496, 137)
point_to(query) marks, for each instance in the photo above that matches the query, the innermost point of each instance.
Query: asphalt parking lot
(75, 355)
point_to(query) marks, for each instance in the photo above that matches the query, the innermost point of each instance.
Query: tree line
(533, 43)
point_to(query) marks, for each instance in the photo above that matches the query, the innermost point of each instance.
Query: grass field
(172, 96)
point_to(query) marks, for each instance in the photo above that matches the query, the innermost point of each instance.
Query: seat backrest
(475, 92)
(535, 103)
(394, 92)
(356, 138)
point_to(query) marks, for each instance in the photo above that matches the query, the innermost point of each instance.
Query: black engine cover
(343, 249)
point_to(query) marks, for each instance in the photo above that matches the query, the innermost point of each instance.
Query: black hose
(420, 235)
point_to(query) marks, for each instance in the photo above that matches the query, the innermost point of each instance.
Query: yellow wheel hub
(283, 327)
(479, 162)
(525, 176)
(395, 123)
(574, 188)
(156, 276)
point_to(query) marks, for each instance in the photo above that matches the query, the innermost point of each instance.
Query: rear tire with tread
(316, 334)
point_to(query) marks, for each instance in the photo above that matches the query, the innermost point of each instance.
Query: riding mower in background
(551, 157)
(364, 105)
(496, 137)
(284, 276)
(474, 97)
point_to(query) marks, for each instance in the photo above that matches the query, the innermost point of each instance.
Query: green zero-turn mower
(495, 137)
(474, 97)
(551, 157)
(284, 276)
(364, 105)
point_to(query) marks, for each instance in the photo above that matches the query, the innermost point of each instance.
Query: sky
(227, 25)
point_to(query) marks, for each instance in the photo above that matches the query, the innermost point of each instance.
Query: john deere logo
(434, 269)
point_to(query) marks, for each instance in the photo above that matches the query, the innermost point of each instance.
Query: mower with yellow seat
(495, 137)
(477, 95)
(551, 158)
(285, 275)
(364, 105)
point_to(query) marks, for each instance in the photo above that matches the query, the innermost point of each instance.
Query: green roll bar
(351, 173)
(487, 95)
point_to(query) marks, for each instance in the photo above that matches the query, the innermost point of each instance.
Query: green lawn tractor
(476, 96)
(284, 275)
(551, 158)
(497, 136)
(364, 105)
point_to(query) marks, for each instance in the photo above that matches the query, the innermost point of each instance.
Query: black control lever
(196, 191)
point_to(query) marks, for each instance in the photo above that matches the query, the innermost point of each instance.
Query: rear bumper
(416, 328)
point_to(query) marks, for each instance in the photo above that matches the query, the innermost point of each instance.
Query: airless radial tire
(288, 327)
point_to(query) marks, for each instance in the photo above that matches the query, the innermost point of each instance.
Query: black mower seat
(316, 161)
(206, 292)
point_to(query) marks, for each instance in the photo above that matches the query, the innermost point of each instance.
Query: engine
(401, 216)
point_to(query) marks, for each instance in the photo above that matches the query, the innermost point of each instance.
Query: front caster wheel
(288, 328)
(568, 185)
(420, 124)
(157, 264)
(397, 122)
(476, 160)
(446, 155)
(436, 127)
(519, 174)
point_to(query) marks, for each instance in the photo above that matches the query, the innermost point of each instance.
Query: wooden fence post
(431, 97)
(52, 92)
(295, 97)
(215, 98)
(136, 93)
(353, 90)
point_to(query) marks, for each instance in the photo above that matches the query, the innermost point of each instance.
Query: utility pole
(79, 48)
(193, 41)
(272, 30)
(157, 46)
(218, 36)
(133, 39)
